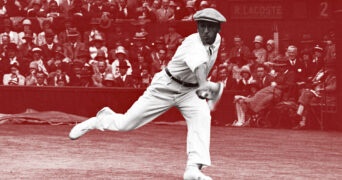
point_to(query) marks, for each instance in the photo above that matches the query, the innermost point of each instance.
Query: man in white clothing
(183, 84)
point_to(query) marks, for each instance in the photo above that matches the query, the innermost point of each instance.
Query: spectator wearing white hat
(37, 56)
(27, 27)
(258, 51)
(204, 4)
(246, 79)
(97, 44)
(93, 32)
(31, 78)
(121, 58)
(272, 54)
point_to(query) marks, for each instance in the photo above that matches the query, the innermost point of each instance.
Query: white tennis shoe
(193, 173)
(80, 129)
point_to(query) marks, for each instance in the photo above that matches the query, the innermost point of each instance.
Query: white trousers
(161, 95)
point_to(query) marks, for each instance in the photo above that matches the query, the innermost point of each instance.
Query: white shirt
(191, 54)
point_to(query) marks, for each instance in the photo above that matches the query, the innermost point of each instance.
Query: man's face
(102, 66)
(260, 72)
(40, 78)
(123, 70)
(49, 39)
(223, 73)
(208, 31)
(14, 70)
(292, 53)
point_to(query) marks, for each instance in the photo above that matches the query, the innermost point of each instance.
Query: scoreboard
(278, 9)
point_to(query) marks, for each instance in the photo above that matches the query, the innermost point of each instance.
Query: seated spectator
(322, 84)
(11, 56)
(258, 51)
(330, 47)
(177, 8)
(100, 70)
(15, 8)
(139, 45)
(155, 6)
(272, 54)
(165, 13)
(262, 77)
(76, 74)
(62, 81)
(31, 79)
(139, 64)
(144, 12)
(58, 59)
(41, 39)
(124, 11)
(98, 7)
(317, 61)
(243, 84)
(145, 77)
(159, 61)
(121, 57)
(101, 56)
(68, 26)
(295, 66)
(83, 57)
(27, 28)
(190, 11)
(27, 46)
(96, 46)
(77, 9)
(41, 79)
(5, 41)
(93, 32)
(49, 47)
(240, 50)
(54, 10)
(225, 77)
(124, 80)
(109, 80)
(73, 46)
(8, 30)
(35, 9)
(236, 65)
(59, 77)
(172, 41)
(224, 60)
(37, 57)
(14, 77)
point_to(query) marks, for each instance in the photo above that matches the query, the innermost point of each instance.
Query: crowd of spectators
(81, 43)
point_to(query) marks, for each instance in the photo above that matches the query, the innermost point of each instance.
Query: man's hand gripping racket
(213, 94)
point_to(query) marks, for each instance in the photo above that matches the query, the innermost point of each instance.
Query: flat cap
(209, 14)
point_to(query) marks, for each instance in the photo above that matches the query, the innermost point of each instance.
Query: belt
(186, 84)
